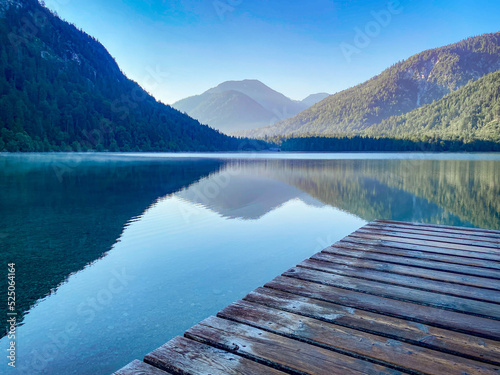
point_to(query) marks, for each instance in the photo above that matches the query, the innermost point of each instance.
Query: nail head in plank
(433, 244)
(359, 259)
(388, 256)
(278, 351)
(366, 345)
(430, 249)
(439, 226)
(431, 232)
(487, 245)
(186, 356)
(462, 305)
(327, 263)
(481, 349)
(468, 324)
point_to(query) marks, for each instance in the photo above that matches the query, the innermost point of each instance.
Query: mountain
(60, 90)
(409, 84)
(247, 197)
(234, 106)
(315, 98)
(227, 111)
(429, 191)
(467, 119)
(92, 223)
(472, 112)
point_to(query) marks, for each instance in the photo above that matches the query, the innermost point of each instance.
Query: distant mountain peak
(315, 98)
(221, 108)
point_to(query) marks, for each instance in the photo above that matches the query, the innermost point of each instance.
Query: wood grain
(140, 368)
(391, 352)
(423, 248)
(473, 347)
(184, 356)
(279, 352)
(325, 263)
(440, 240)
(391, 298)
(429, 243)
(458, 304)
(434, 232)
(422, 261)
(451, 320)
(404, 224)
(397, 266)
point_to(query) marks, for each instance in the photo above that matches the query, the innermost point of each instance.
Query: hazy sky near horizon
(180, 48)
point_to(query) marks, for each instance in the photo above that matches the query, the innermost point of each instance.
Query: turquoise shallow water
(117, 253)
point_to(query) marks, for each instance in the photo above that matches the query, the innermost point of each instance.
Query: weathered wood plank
(439, 245)
(431, 232)
(469, 324)
(185, 356)
(391, 298)
(462, 305)
(440, 227)
(490, 246)
(424, 248)
(396, 328)
(322, 262)
(278, 351)
(367, 345)
(140, 368)
(431, 274)
(431, 261)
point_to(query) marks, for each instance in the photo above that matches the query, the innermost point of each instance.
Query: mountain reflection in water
(197, 232)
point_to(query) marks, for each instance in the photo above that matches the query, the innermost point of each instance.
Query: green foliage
(473, 112)
(451, 192)
(72, 226)
(307, 143)
(467, 119)
(62, 91)
(409, 84)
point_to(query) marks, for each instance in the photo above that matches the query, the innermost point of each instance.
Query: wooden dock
(391, 298)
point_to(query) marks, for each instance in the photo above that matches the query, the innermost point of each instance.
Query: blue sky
(180, 48)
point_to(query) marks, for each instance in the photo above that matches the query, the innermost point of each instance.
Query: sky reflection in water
(170, 241)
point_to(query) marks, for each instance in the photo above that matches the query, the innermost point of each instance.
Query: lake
(118, 253)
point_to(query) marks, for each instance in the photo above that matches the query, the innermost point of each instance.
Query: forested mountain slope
(409, 84)
(472, 112)
(60, 90)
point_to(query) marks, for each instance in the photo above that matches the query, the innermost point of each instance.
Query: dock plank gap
(391, 298)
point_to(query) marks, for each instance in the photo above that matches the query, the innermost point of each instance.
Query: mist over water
(118, 253)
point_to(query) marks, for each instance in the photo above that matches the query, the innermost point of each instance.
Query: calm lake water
(118, 253)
